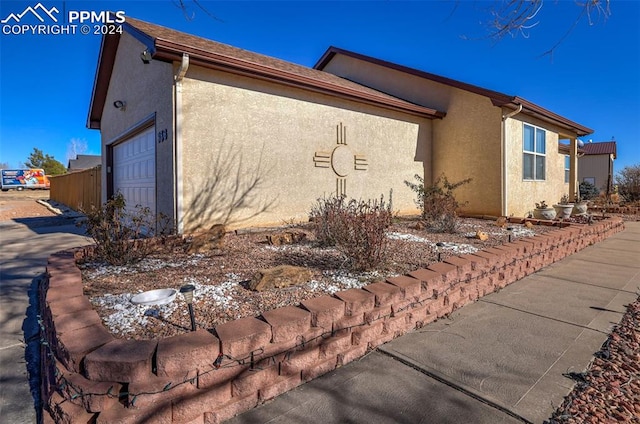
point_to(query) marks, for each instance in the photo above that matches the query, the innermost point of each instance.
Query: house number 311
(163, 135)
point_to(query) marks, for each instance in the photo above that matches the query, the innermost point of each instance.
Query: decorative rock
(207, 240)
(482, 236)
(279, 277)
(528, 224)
(501, 222)
(288, 237)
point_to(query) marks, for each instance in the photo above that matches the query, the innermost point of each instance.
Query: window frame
(567, 168)
(534, 152)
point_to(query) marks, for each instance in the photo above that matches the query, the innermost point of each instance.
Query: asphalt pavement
(499, 360)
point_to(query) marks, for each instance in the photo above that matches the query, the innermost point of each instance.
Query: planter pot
(564, 211)
(548, 213)
(580, 208)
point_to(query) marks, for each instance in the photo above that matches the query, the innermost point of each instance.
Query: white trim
(138, 127)
(177, 139)
(534, 153)
(504, 172)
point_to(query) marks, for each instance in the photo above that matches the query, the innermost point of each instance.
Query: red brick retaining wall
(210, 376)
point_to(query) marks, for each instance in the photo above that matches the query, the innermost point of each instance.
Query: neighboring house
(82, 162)
(208, 133)
(596, 164)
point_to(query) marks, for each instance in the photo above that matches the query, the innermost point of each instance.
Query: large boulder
(206, 241)
(279, 277)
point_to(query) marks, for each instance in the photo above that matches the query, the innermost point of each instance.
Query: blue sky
(593, 76)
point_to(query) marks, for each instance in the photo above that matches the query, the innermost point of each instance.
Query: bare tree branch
(518, 17)
(182, 5)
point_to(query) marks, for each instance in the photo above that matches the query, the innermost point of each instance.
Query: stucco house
(207, 133)
(595, 165)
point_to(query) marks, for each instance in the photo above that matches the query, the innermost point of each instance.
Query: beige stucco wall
(237, 129)
(466, 143)
(147, 91)
(524, 194)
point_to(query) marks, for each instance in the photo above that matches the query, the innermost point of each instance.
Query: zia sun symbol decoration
(341, 160)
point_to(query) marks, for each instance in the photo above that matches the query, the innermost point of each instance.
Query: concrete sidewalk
(499, 360)
(26, 245)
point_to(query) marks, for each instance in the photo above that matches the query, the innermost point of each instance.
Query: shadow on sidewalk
(33, 338)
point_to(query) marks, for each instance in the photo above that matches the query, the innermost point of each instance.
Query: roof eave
(106, 59)
(104, 69)
(497, 98)
(546, 115)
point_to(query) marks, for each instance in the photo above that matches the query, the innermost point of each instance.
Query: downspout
(177, 134)
(503, 145)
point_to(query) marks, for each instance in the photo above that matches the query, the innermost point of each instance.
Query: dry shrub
(438, 203)
(120, 235)
(357, 228)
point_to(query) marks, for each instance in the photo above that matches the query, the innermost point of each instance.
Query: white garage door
(134, 170)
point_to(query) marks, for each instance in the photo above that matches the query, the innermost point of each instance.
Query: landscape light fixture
(510, 230)
(187, 292)
(120, 104)
(439, 245)
(145, 56)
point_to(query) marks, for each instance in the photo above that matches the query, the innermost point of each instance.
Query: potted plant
(580, 206)
(564, 207)
(543, 211)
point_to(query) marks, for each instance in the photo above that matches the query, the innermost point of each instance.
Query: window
(534, 153)
(567, 165)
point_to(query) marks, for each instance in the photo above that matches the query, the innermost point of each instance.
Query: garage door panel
(134, 170)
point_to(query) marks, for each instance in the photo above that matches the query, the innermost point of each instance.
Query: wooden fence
(78, 190)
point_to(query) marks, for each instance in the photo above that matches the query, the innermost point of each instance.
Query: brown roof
(169, 45)
(497, 98)
(601, 148)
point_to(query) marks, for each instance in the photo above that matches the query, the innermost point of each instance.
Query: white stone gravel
(458, 248)
(126, 315)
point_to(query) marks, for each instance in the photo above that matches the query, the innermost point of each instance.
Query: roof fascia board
(144, 38)
(554, 118)
(493, 95)
(106, 60)
(171, 51)
(497, 98)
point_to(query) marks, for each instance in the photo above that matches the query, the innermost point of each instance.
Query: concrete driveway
(26, 244)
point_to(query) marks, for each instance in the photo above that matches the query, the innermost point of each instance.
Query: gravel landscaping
(609, 391)
(221, 276)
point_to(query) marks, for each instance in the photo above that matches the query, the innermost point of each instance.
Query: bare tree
(75, 147)
(519, 17)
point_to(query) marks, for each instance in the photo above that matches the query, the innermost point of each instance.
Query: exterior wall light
(120, 104)
(439, 245)
(145, 56)
(187, 291)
